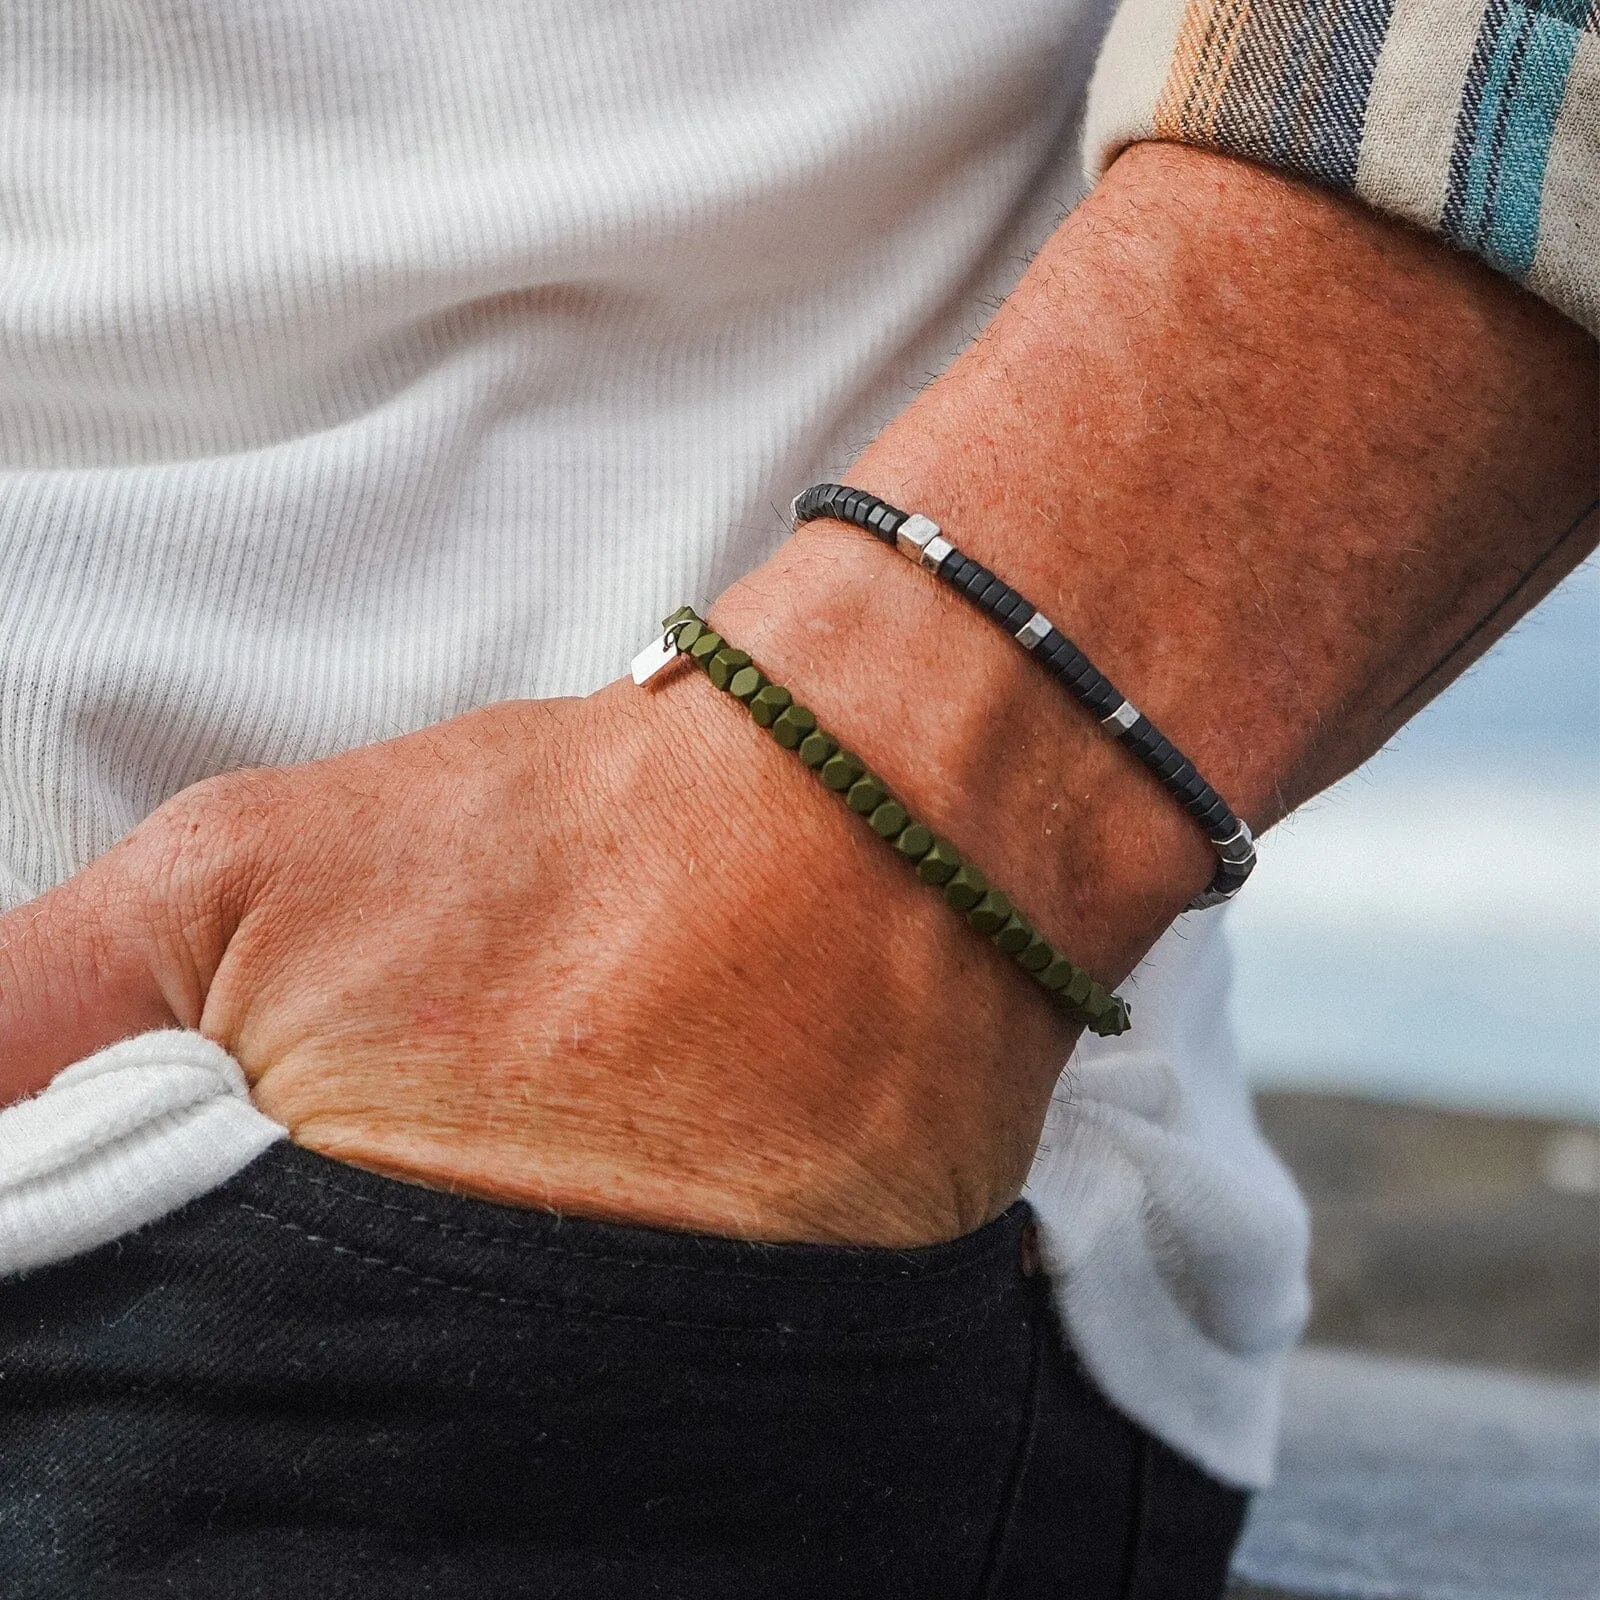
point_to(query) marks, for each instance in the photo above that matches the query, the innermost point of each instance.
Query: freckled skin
(1282, 467)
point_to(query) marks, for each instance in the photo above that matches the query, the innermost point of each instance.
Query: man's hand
(618, 955)
(1280, 466)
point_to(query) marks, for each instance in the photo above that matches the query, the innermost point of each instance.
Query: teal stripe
(1522, 96)
(1579, 13)
(1513, 236)
(1509, 31)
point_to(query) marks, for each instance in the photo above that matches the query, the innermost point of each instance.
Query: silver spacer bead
(1238, 848)
(934, 552)
(1032, 632)
(914, 534)
(1122, 718)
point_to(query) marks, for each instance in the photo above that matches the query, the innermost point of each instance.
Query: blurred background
(1418, 1001)
(1428, 930)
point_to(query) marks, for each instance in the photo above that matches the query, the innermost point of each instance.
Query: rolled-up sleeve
(1477, 121)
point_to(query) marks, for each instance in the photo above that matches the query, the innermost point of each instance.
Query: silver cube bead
(914, 534)
(1123, 717)
(1032, 632)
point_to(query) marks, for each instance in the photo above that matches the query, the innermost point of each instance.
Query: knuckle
(206, 837)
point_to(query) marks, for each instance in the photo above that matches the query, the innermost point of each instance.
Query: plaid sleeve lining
(1476, 119)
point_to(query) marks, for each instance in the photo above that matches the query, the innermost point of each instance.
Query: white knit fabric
(1176, 1241)
(361, 363)
(119, 1140)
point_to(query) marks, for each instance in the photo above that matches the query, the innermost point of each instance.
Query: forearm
(1280, 466)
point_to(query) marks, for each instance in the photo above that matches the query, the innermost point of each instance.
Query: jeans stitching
(547, 1247)
(594, 1313)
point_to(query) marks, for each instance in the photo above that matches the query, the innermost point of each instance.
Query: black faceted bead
(1101, 698)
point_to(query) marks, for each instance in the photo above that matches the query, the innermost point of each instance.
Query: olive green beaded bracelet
(936, 861)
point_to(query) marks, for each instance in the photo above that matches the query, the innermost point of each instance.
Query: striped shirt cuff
(1478, 120)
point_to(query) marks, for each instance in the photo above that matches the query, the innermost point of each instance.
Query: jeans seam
(593, 1313)
(546, 1247)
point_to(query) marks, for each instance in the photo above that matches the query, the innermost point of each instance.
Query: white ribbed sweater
(361, 363)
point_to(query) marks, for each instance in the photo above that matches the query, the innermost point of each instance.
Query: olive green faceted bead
(688, 633)
(816, 747)
(866, 794)
(1077, 991)
(792, 724)
(841, 770)
(1057, 975)
(888, 819)
(939, 865)
(682, 614)
(722, 666)
(706, 645)
(914, 841)
(1113, 1020)
(746, 684)
(1014, 936)
(966, 888)
(770, 702)
(1035, 955)
(990, 914)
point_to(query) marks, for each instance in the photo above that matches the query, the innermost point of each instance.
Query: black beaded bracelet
(920, 539)
(936, 861)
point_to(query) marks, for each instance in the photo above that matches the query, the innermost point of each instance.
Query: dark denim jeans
(315, 1382)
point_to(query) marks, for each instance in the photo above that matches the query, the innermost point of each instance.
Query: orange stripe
(1202, 63)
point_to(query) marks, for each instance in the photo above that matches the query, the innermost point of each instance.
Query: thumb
(129, 944)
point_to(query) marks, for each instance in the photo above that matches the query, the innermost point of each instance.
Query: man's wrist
(980, 742)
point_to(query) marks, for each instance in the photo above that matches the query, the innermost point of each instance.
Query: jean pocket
(384, 1373)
